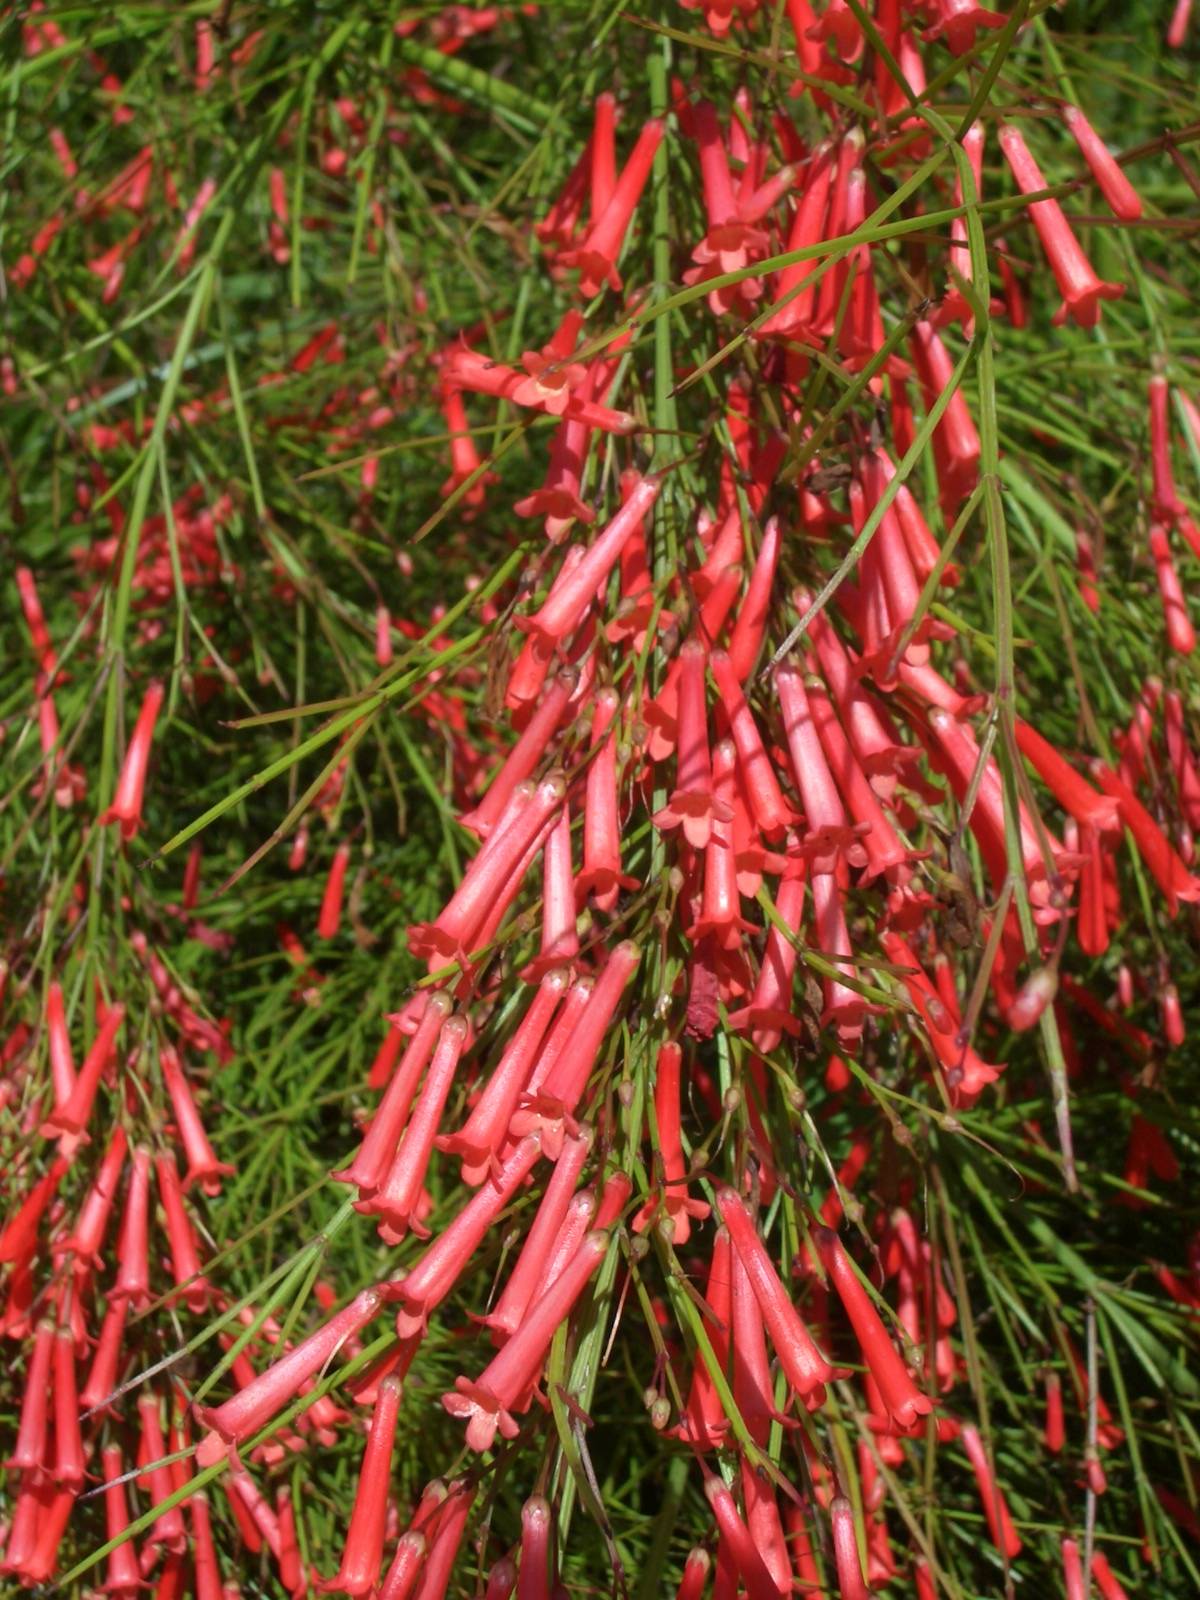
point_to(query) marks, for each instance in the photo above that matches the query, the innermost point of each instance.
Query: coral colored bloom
(904, 1401)
(1119, 194)
(506, 1384)
(358, 1572)
(1081, 289)
(677, 1206)
(126, 807)
(1004, 1535)
(596, 255)
(806, 1368)
(331, 901)
(231, 1424)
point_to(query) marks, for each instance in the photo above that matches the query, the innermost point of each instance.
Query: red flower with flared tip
(673, 1203)
(806, 1368)
(596, 255)
(506, 1384)
(1081, 289)
(904, 1401)
(601, 877)
(553, 377)
(957, 21)
(250, 1410)
(693, 805)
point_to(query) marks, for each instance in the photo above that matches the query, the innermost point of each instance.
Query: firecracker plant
(601, 760)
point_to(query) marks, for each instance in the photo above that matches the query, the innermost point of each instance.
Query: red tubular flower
(881, 757)
(1073, 793)
(720, 916)
(229, 1425)
(966, 1073)
(769, 1015)
(481, 1137)
(438, 1270)
(524, 756)
(955, 306)
(1092, 924)
(795, 314)
(378, 1149)
(465, 460)
(829, 831)
(487, 879)
(886, 853)
(904, 1401)
(362, 1553)
(674, 1202)
(558, 498)
(957, 20)
(29, 1453)
(851, 1583)
(181, 1239)
(331, 901)
(397, 1198)
(126, 807)
(72, 1118)
(205, 1567)
(444, 1538)
(202, 1165)
(124, 1579)
(845, 1008)
(1120, 196)
(1073, 1571)
(771, 811)
(1105, 1579)
(752, 1385)
(574, 592)
(406, 1567)
(551, 1100)
(955, 439)
(1055, 1432)
(806, 1369)
(1181, 635)
(743, 1552)
(1078, 284)
(469, 369)
(558, 226)
(167, 1530)
(603, 151)
(506, 1383)
(596, 256)
(102, 1379)
(746, 636)
(1169, 872)
(291, 1568)
(52, 1525)
(68, 1439)
(602, 877)
(703, 1423)
(62, 1065)
(133, 1244)
(19, 1237)
(1183, 763)
(1004, 1535)
(529, 1271)
(502, 1580)
(535, 1548)
(695, 1574)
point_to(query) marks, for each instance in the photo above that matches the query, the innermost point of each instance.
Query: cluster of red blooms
(792, 821)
